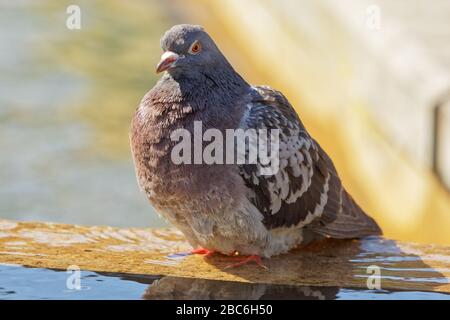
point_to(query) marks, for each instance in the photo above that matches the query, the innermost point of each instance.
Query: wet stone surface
(110, 258)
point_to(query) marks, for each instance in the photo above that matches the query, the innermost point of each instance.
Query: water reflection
(172, 288)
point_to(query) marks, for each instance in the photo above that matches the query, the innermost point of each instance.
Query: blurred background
(370, 80)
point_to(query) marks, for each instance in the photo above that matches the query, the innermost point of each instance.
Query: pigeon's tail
(351, 222)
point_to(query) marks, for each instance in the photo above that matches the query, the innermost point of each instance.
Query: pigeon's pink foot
(203, 251)
(247, 259)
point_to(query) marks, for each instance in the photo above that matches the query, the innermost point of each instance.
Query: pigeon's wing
(306, 190)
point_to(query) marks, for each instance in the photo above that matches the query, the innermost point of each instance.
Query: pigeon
(234, 209)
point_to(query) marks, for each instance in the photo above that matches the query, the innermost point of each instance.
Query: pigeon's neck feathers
(203, 89)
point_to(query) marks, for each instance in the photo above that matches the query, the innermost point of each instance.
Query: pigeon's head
(189, 49)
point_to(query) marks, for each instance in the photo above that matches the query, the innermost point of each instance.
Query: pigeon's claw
(247, 259)
(203, 251)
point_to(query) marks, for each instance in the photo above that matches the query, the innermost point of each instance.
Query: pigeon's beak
(167, 60)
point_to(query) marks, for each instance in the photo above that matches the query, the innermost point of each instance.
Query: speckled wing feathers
(306, 191)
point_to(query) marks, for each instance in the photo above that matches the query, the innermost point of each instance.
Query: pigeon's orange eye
(195, 48)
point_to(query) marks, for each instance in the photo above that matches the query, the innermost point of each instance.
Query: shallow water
(35, 283)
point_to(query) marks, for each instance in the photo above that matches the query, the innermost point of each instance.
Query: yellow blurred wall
(316, 70)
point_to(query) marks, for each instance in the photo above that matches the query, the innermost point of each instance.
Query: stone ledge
(403, 266)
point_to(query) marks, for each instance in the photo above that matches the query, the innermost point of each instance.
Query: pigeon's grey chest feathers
(209, 203)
